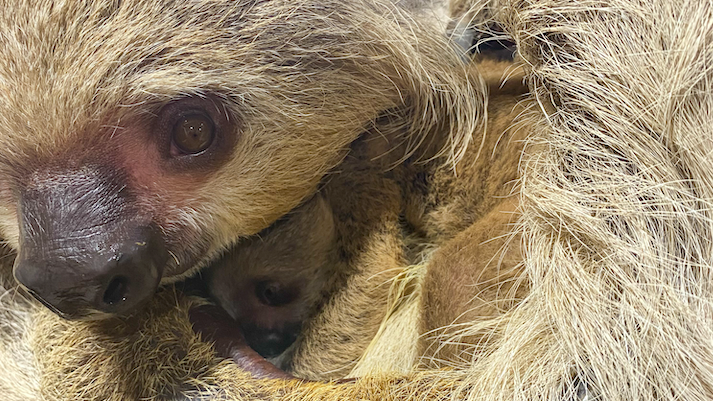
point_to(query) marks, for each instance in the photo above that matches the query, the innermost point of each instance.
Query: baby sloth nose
(80, 287)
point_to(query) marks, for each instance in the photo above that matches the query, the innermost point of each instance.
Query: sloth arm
(474, 277)
(214, 324)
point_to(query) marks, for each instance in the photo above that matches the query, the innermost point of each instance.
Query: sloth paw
(213, 324)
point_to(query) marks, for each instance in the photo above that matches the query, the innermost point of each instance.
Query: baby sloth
(272, 282)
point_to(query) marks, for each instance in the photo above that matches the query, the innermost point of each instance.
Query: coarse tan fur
(612, 299)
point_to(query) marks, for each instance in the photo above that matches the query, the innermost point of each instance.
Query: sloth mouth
(48, 305)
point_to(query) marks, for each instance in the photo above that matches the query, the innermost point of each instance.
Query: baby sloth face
(271, 283)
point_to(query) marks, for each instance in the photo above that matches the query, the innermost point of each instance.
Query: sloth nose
(271, 342)
(91, 285)
(86, 250)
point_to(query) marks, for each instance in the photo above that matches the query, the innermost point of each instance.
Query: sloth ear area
(196, 131)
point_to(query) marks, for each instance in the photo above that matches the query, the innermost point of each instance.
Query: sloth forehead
(196, 43)
(68, 67)
(86, 58)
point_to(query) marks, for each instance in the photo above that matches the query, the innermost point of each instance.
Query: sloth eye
(272, 293)
(193, 134)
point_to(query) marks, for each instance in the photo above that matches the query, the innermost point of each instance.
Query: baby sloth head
(270, 284)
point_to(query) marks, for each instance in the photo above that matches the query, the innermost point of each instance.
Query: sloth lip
(48, 305)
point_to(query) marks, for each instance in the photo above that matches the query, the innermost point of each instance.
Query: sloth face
(139, 139)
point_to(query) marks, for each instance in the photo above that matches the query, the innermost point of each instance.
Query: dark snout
(271, 342)
(85, 252)
(87, 282)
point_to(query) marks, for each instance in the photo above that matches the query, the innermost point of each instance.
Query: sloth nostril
(116, 290)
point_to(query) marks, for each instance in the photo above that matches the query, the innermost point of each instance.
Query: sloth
(110, 200)
(540, 241)
(144, 175)
(272, 283)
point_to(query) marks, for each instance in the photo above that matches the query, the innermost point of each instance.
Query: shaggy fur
(613, 298)
(21, 375)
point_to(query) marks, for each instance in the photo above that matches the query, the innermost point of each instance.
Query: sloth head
(140, 138)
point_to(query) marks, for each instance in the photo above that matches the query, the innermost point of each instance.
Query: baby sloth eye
(193, 134)
(272, 293)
